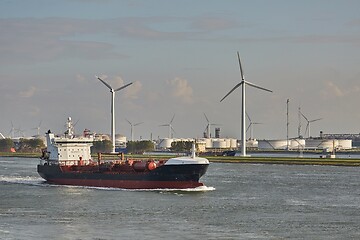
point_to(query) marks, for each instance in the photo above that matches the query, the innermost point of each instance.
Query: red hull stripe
(127, 184)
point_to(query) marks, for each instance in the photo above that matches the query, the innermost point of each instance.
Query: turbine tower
(208, 127)
(243, 84)
(308, 124)
(113, 109)
(171, 129)
(132, 128)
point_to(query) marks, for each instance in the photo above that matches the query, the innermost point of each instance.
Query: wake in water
(37, 181)
(160, 190)
(27, 180)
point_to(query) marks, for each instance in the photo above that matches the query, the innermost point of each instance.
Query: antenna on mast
(287, 124)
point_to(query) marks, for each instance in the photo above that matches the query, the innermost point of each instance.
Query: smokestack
(217, 132)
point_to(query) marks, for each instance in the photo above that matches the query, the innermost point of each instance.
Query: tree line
(136, 147)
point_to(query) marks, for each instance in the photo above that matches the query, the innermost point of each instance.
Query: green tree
(6, 144)
(181, 146)
(30, 145)
(139, 146)
(101, 146)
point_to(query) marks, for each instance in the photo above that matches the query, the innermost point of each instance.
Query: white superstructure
(68, 149)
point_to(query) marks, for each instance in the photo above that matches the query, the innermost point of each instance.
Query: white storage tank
(219, 143)
(272, 144)
(120, 140)
(319, 144)
(165, 143)
(233, 143)
(344, 144)
(227, 143)
(297, 143)
(252, 143)
(209, 143)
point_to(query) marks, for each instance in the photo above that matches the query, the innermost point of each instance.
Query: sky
(182, 59)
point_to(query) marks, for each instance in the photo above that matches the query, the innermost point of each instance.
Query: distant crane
(308, 124)
(243, 84)
(171, 129)
(208, 126)
(113, 108)
(132, 128)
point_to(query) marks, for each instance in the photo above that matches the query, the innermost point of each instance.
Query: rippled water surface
(240, 201)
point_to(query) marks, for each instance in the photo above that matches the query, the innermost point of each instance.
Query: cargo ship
(67, 160)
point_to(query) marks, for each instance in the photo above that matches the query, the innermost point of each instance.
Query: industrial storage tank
(165, 143)
(297, 143)
(320, 144)
(201, 145)
(208, 142)
(233, 143)
(120, 141)
(272, 144)
(344, 144)
(227, 142)
(252, 143)
(219, 143)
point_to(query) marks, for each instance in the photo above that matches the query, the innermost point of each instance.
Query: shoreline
(351, 162)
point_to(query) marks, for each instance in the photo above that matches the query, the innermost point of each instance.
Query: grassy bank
(231, 159)
(17, 154)
(288, 160)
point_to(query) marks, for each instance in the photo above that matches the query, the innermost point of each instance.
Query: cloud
(28, 93)
(181, 90)
(331, 90)
(80, 78)
(133, 90)
(213, 23)
(28, 40)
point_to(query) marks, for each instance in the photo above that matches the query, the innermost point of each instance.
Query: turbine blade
(128, 121)
(172, 119)
(106, 84)
(206, 117)
(315, 120)
(304, 116)
(241, 70)
(118, 89)
(256, 86)
(136, 124)
(206, 128)
(248, 116)
(237, 85)
(248, 127)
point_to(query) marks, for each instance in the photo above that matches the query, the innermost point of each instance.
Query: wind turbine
(251, 127)
(132, 126)
(171, 129)
(243, 84)
(38, 129)
(308, 123)
(208, 127)
(113, 109)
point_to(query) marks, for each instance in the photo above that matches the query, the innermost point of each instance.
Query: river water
(240, 201)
